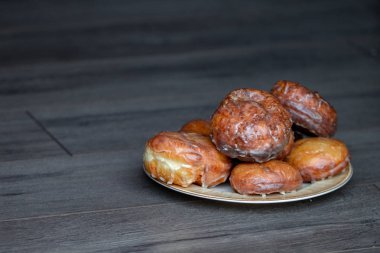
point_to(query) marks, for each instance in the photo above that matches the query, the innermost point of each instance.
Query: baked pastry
(307, 108)
(185, 158)
(251, 125)
(199, 126)
(286, 151)
(265, 178)
(318, 158)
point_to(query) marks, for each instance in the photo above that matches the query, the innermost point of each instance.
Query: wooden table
(83, 85)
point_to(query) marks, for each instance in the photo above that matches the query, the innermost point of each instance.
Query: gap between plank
(96, 211)
(43, 128)
(354, 250)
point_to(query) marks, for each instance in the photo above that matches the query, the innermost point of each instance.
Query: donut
(199, 126)
(318, 158)
(265, 178)
(251, 125)
(286, 151)
(185, 158)
(307, 108)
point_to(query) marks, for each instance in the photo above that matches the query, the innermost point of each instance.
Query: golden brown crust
(319, 158)
(185, 158)
(307, 108)
(199, 126)
(286, 151)
(265, 178)
(251, 125)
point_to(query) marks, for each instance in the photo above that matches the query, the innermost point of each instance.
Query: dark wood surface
(83, 85)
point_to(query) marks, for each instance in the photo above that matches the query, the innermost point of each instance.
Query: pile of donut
(250, 140)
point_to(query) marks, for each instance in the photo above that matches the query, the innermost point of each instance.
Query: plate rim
(183, 190)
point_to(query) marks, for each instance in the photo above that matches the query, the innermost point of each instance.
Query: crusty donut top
(176, 146)
(319, 157)
(192, 150)
(268, 177)
(199, 126)
(251, 125)
(307, 108)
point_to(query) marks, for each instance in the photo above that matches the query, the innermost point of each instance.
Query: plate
(224, 192)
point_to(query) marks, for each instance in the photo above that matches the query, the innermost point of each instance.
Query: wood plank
(111, 131)
(343, 220)
(80, 183)
(105, 180)
(304, 53)
(21, 138)
(101, 118)
(118, 131)
(359, 250)
(125, 29)
(96, 85)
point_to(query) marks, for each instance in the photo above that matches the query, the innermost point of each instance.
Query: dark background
(83, 85)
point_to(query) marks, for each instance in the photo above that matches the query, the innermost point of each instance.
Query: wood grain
(21, 138)
(95, 181)
(195, 226)
(80, 183)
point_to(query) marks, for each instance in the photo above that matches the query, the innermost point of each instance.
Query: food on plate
(286, 151)
(251, 125)
(199, 126)
(264, 178)
(185, 158)
(273, 155)
(307, 108)
(318, 158)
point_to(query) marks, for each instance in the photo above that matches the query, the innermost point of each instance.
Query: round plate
(224, 192)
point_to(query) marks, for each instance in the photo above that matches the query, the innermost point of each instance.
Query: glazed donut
(185, 158)
(251, 125)
(307, 108)
(318, 158)
(286, 151)
(199, 126)
(265, 178)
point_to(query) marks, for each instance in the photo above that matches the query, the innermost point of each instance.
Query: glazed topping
(319, 158)
(322, 149)
(251, 125)
(307, 108)
(269, 177)
(185, 158)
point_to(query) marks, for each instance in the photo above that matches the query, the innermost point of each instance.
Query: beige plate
(224, 192)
